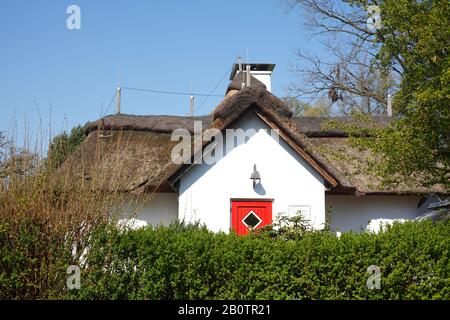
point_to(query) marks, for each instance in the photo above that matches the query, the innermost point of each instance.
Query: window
(251, 220)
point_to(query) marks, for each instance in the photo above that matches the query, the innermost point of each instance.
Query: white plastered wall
(159, 209)
(206, 189)
(349, 212)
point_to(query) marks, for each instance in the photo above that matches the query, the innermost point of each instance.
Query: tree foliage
(64, 145)
(15, 162)
(320, 108)
(416, 38)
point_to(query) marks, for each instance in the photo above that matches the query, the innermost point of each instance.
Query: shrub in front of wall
(43, 230)
(33, 261)
(189, 262)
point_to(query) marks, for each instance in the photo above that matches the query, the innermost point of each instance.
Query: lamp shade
(255, 174)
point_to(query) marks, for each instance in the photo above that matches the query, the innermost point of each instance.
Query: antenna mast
(191, 105)
(389, 105)
(239, 61)
(247, 73)
(118, 93)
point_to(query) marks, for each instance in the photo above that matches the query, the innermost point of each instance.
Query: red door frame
(259, 204)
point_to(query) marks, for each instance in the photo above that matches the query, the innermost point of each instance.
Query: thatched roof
(126, 160)
(157, 124)
(309, 126)
(354, 165)
(320, 126)
(133, 153)
(233, 106)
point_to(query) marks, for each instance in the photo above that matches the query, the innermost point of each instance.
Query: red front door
(249, 215)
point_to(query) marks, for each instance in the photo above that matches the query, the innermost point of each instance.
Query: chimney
(260, 71)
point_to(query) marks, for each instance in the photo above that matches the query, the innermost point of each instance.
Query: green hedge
(188, 262)
(33, 261)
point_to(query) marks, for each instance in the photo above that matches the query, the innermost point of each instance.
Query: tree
(415, 38)
(2, 145)
(410, 45)
(63, 145)
(321, 108)
(348, 75)
(349, 81)
(15, 162)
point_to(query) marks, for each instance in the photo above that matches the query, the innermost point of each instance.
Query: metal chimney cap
(253, 67)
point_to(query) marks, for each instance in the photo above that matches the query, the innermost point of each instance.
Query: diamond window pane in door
(251, 220)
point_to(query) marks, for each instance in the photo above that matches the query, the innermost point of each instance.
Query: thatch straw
(142, 145)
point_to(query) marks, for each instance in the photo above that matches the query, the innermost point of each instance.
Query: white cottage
(243, 164)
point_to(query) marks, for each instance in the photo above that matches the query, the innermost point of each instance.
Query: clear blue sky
(161, 45)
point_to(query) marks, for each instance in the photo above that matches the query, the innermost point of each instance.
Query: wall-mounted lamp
(256, 177)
